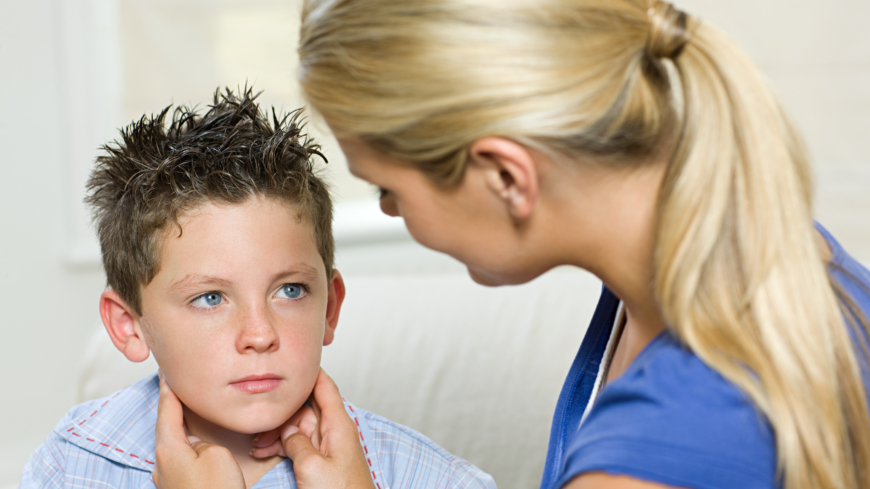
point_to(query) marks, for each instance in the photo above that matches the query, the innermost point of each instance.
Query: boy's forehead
(200, 208)
(258, 204)
(258, 221)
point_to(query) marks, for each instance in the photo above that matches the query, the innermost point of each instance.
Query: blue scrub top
(669, 418)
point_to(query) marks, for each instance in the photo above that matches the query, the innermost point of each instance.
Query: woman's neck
(605, 221)
(632, 281)
(636, 334)
(239, 444)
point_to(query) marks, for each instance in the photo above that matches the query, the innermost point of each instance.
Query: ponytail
(739, 278)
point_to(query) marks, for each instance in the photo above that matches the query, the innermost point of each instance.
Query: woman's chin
(490, 279)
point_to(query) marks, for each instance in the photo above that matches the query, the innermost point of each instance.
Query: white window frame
(91, 75)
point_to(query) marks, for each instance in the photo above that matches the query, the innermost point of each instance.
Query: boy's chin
(255, 424)
(247, 421)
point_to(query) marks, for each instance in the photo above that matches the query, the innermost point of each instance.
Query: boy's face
(238, 312)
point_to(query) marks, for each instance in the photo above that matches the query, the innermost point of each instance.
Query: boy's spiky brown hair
(154, 173)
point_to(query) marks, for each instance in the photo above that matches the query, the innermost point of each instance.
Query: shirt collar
(120, 427)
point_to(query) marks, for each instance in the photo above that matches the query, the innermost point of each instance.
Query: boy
(217, 243)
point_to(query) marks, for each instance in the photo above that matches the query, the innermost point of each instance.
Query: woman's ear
(124, 326)
(510, 171)
(333, 306)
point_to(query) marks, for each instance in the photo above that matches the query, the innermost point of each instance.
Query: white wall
(46, 306)
(816, 52)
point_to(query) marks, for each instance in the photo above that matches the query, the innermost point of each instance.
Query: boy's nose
(257, 333)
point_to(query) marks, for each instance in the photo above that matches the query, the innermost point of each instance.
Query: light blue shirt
(670, 418)
(109, 443)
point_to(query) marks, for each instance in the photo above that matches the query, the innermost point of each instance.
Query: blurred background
(73, 71)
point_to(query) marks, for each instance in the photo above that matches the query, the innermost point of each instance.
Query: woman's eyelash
(381, 192)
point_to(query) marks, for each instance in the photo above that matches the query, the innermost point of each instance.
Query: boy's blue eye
(209, 299)
(291, 291)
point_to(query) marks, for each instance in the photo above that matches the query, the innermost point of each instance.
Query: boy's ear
(333, 306)
(124, 326)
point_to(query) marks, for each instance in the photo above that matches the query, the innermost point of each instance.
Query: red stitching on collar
(101, 443)
(365, 446)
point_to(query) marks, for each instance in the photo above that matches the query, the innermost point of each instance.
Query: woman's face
(468, 222)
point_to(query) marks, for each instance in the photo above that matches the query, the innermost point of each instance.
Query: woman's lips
(254, 384)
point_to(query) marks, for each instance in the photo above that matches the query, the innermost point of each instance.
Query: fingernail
(192, 439)
(290, 430)
(160, 374)
(255, 440)
(251, 453)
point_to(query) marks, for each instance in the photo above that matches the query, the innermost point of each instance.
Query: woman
(632, 140)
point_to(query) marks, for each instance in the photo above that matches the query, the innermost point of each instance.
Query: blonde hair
(738, 276)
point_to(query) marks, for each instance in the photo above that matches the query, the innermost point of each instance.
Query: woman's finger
(315, 436)
(327, 398)
(333, 417)
(186, 462)
(267, 438)
(216, 452)
(305, 420)
(339, 461)
(299, 448)
(170, 432)
(275, 448)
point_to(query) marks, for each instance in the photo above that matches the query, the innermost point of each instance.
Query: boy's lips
(254, 384)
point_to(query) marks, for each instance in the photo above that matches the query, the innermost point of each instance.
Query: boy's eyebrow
(306, 271)
(195, 280)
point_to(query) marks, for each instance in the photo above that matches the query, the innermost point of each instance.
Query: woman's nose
(257, 333)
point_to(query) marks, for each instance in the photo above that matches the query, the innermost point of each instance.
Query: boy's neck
(239, 444)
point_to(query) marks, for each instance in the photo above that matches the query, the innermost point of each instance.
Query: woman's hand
(186, 462)
(305, 421)
(322, 441)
